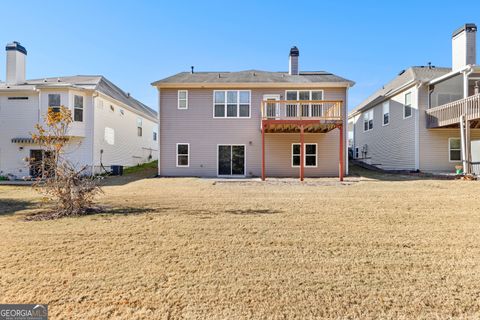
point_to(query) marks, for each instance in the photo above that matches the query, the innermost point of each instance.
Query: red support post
(302, 152)
(263, 151)
(341, 162)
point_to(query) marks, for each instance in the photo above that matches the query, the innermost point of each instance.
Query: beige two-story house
(253, 123)
(426, 118)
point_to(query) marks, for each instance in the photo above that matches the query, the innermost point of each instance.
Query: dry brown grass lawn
(195, 249)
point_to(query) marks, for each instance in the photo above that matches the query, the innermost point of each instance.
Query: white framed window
(309, 154)
(231, 103)
(54, 102)
(454, 150)
(182, 99)
(78, 108)
(112, 108)
(155, 134)
(386, 113)
(183, 154)
(122, 112)
(407, 107)
(368, 120)
(139, 127)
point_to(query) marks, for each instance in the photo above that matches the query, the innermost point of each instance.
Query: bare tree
(68, 188)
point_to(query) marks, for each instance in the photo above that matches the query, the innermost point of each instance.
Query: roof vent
(58, 80)
(401, 72)
(44, 80)
(192, 72)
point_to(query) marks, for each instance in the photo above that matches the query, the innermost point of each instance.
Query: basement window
(310, 155)
(454, 150)
(183, 154)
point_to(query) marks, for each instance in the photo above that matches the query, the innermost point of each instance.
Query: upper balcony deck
(448, 115)
(318, 116)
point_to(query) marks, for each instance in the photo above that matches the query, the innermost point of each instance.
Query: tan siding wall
(434, 142)
(391, 147)
(197, 127)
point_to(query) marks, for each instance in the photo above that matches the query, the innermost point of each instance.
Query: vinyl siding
(434, 142)
(128, 149)
(390, 147)
(197, 127)
(18, 119)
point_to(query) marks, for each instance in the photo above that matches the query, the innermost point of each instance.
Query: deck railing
(302, 109)
(450, 113)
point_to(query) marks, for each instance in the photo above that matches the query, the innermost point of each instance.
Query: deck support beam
(302, 153)
(263, 151)
(340, 156)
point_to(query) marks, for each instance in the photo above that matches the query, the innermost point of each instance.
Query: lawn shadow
(130, 211)
(381, 175)
(254, 212)
(11, 206)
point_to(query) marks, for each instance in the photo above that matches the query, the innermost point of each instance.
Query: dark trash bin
(117, 170)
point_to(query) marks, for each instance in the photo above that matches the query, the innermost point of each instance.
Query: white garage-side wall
(122, 146)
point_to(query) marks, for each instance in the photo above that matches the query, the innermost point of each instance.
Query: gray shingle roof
(253, 76)
(89, 82)
(422, 74)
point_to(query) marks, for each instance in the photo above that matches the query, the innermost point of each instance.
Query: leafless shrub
(68, 188)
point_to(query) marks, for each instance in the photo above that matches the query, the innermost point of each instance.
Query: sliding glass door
(231, 160)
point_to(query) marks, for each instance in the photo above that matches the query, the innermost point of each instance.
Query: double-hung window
(386, 113)
(310, 154)
(78, 108)
(407, 107)
(155, 134)
(231, 104)
(182, 99)
(454, 150)
(183, 154)
(139, 127)
(368, 120)
(54, 102)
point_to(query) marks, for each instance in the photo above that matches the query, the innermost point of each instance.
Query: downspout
(159, 131)
(345, 131)
(39, 112)
(92, 131)
(417, 127)
(468, 71)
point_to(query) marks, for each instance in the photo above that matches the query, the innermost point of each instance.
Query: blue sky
(134, 43)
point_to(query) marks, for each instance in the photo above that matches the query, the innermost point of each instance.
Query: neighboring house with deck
(253, 123)
(427, 118)
(109, 126)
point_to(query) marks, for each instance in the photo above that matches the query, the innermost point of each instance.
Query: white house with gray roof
(110, 127)
(253, 123)
(427, 118)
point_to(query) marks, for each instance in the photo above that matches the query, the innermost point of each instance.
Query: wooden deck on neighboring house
(302, 116)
